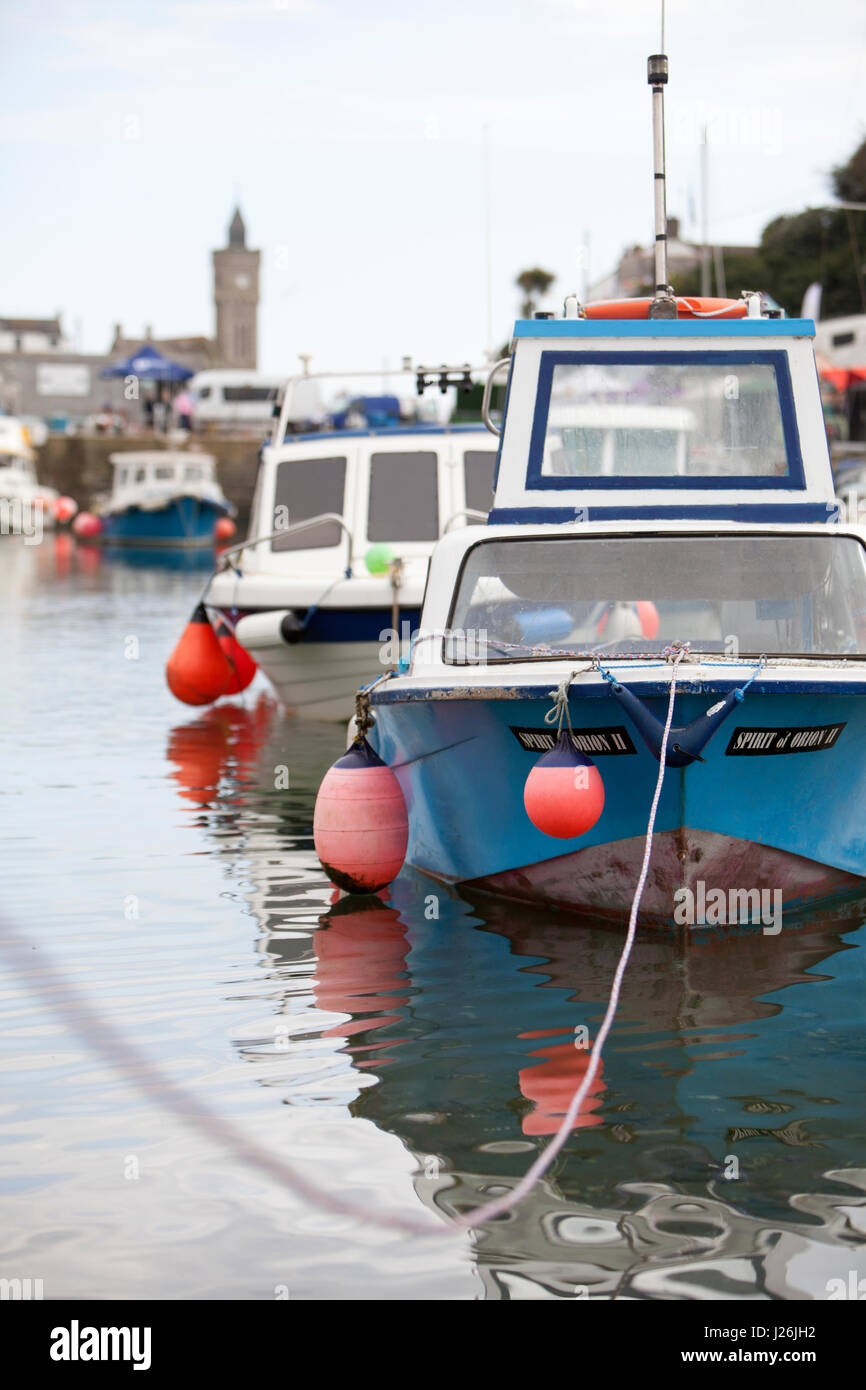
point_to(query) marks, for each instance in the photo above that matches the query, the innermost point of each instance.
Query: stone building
(40, 376)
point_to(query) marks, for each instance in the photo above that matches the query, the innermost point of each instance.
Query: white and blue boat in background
(163, 497)
(326, 591)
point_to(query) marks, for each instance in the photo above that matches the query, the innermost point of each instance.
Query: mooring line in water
(490, 1210)
(84, 1018)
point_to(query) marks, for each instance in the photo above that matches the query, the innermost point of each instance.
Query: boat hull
(318, 676)
(185, 521)
(793, 824)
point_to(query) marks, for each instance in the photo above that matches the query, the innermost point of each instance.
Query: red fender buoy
(198, 671)
(564, 792)
(243, 668)
(224, 529)
(65, 509)
(360, 824)
(87, 526)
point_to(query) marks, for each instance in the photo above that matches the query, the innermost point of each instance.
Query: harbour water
(164, 916)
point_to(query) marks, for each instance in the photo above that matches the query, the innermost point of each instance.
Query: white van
(227, 398)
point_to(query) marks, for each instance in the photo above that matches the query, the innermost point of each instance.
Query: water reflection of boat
(454, 1033)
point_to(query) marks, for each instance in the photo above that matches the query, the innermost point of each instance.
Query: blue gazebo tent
(149, 364)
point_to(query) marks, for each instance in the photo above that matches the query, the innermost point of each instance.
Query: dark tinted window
(479, 466)
(842, 339)
(404, 497)
(306, 488)
(248, 393)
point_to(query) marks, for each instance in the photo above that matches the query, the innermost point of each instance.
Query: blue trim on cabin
(793, 480)
(664, 328)
(386, 431)
(733, 511)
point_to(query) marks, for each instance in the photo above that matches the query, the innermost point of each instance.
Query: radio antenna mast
(664, 305)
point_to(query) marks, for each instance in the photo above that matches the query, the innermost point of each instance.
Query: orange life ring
(687, 308)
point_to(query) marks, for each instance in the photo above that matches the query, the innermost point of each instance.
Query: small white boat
(163, 497)
(327, 590)
(26, 507)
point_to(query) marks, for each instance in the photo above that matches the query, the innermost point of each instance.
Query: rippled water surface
(156, 880)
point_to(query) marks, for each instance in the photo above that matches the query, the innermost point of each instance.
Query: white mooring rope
(500, 1205)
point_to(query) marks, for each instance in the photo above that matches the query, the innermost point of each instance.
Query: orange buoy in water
(243, 668)
(224, 529)
(198, 671)
(360, 824)
(564, 793)
(65, 509)
(87, 526)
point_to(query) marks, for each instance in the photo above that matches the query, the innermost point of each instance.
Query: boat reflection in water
(715, 1158)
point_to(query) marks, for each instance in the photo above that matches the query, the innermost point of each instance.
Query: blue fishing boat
(163, 498)
(664, 512)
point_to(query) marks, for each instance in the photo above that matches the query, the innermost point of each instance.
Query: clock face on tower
(242, 281)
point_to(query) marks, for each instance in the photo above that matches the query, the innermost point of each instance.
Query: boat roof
(735, 329)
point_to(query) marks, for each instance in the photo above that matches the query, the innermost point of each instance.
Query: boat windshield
(518, 600)
(658, 416)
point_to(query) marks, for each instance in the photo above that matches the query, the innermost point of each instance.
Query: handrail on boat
(488, 388)
(294, 527)
(470, 513)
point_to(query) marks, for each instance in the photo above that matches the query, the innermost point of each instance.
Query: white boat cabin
(652, 419)
(400, 488)
(157, 475)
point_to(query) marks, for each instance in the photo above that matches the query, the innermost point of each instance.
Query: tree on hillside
(534, 283)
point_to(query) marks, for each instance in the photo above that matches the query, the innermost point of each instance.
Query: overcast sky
(353, 135)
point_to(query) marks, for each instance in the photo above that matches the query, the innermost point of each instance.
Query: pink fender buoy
(224, 529)
(564, 793)
(360, 824)
(87, 526)
(65, 509)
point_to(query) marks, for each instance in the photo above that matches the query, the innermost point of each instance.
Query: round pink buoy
(65, 509)
(564, 793)
(87, 526)
(360, 824)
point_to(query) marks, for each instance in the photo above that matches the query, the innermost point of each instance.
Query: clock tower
(236, 296)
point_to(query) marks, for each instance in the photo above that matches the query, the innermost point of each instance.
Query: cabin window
(193, 472)
(650, 416)
(306, 488)
(203, 393)
(140, 474)
(122, 477)
(479, 466)
(163, 472)
(781, 594)
(404, 497)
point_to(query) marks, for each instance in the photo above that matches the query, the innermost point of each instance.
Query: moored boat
(326, 591)
(689, 549)
(163, 497)
(26, 505)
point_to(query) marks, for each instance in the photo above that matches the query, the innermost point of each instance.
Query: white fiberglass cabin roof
(661, 420)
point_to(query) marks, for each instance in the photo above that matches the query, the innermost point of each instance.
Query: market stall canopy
(149, 364)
